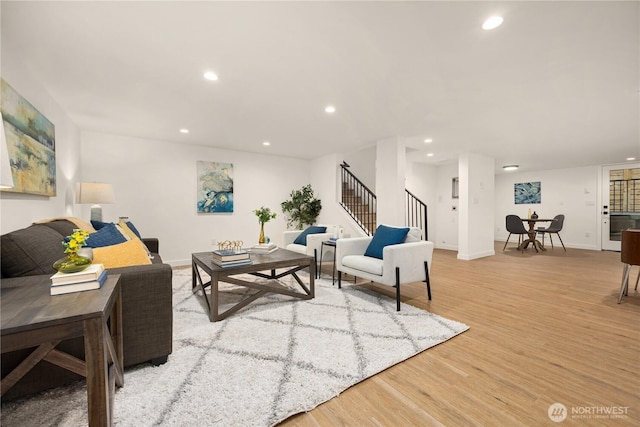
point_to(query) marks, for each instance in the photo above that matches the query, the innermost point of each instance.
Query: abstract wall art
(31, 144)
(215, 187)
(527, 193)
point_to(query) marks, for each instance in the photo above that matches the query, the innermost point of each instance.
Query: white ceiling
(557, 85)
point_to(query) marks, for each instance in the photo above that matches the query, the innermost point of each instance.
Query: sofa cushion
(301, 249)
(107, 236)
(302, 237)
(132, 252)
(385, 236)
(30, 251)
(363, 263)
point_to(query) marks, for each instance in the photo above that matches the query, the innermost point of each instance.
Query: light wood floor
(544, 328)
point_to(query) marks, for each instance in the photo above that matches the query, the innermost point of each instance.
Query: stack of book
(92, 277)
(264, 248)
(229, 258)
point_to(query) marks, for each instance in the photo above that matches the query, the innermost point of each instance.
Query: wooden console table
(33, 318)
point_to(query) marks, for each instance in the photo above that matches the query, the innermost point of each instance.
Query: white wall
(573, 192)
(20, 210)
(363, 165)
(446, 215)
(155, 186)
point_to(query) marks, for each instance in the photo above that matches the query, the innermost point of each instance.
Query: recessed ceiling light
(428, 141)
(492, 22)
(510, 167)
(266, 143)
(330, 109)
(183, 130)
(210, 75)
(429, 154)
(631, 158)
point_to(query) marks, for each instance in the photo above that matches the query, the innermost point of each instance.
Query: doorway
(620, 202)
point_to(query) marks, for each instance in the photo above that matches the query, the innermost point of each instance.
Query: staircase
(361, 205)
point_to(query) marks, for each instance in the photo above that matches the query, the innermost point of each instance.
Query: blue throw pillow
(99, 224)
(385, 236)
(106, 236)
(302, 237)
(132, 228)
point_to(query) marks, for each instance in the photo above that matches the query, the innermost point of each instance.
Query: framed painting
(215, 187)
(527, 193)
(31, 145)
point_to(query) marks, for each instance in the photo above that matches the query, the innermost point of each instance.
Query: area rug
(274, 358)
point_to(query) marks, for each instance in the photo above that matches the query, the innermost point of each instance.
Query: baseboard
(476, 255)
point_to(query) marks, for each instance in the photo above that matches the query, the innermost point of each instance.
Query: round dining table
(537, 245)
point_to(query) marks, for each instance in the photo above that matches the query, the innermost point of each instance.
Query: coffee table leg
(97, 373)
(213, 304)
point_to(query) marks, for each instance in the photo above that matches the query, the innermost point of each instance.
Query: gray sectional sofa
(27, 256)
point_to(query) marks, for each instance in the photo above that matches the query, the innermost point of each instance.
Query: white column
(390, 181)
(477, 206)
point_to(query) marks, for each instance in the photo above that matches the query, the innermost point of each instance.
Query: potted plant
(264, 215)
(302, 208)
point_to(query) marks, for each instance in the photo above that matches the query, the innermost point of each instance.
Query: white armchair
(313, 246)
(402, 263)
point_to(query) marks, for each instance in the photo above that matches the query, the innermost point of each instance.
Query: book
(232, 263)
(264, 248)
(89, 274)
(81, 286)
(229, 255)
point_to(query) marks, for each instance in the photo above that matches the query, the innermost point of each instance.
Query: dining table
(531, 234)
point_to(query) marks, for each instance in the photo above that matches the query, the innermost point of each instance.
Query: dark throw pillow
(302, 237)
(106, 236)
(385, 236)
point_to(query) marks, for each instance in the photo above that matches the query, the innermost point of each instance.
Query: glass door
(620, 202)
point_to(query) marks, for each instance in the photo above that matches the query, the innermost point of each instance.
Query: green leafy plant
(264, 214)
(72, 244)
(302, 208)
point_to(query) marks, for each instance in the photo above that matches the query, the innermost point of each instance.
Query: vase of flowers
(73, 261)
(264, 215)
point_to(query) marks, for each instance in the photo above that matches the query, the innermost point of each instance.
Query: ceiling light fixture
(429, 154)
(631, 159)
(428, 141)
(510, 167)
(210, 75)
(266, 143)
(330, 109)
(492, 22)
(183, 130)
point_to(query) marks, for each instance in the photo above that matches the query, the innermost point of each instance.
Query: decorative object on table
(264, 215)
(215, 187)
(73, 262)
(302, 208)
(31, 145)
(95, 193)
(527, 193)
(86, 281)
(230, 245)
(534, 215)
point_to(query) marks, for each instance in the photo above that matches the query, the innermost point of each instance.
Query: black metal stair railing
(358, 200)
(416, 213)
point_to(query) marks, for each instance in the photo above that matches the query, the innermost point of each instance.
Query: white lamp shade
(95, 192)
(6, 177)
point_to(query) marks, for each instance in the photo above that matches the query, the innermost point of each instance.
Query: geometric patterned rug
(274, 358)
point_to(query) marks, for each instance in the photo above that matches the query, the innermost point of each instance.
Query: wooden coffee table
(291, 262)
(33, 318)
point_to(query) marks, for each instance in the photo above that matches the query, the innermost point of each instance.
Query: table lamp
(96, 193)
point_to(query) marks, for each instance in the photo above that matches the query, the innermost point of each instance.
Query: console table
(31, 317)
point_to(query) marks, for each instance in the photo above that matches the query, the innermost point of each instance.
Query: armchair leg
(339, 279)
(426, 273)
(397, 288)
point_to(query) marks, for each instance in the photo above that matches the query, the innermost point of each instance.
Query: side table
(31, 317)
(332, 244)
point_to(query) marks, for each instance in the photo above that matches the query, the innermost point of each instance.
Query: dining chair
(554, 228)
(514, 225)
(629, 255)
